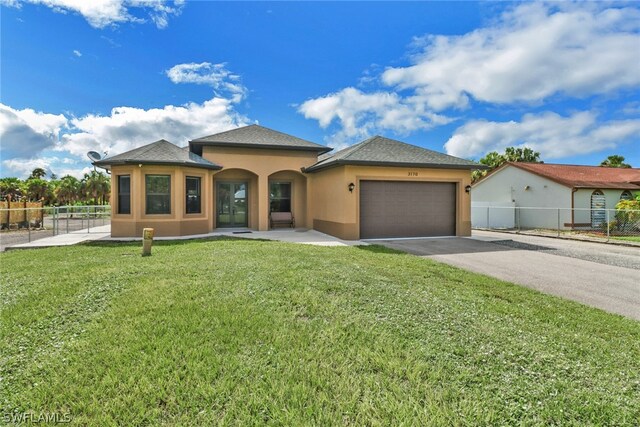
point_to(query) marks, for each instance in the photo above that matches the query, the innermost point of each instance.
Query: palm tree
(97, 186)
(615, 161)
(38, 173)
(68, 190)
(37, 189)
(11, 186)
(511, 154)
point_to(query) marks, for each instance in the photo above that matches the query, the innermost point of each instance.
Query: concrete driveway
(596, 274)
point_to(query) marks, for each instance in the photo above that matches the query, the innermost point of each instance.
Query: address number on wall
(413, 173)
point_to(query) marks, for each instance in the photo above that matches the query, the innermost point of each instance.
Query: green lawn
(627, 238)
(252, 332)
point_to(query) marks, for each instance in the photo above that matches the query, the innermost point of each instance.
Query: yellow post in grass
(147, 241)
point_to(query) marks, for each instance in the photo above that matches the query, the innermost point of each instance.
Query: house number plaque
(413, 173)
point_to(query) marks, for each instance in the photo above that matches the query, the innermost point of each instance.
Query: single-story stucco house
(375, 189)
(574, 196)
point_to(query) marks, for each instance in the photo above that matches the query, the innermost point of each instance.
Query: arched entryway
(288, 193)
(235, 199)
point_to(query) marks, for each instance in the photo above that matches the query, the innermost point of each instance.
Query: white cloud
(531, 53)
(128, 127)
(30, 137)
(554, 136)
(77, 53)
(26, 132)
(102, 13)
(361, 113)
(23, 167)
(214, 75)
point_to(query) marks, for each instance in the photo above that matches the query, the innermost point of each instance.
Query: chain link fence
(23, 225)
(592, 224)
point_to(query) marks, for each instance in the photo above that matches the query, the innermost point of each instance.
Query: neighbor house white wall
(525, 189)
(582, 203)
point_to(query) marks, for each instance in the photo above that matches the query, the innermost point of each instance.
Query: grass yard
(627, 238)
(250, 332)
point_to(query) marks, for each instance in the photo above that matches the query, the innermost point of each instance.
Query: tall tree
(68, 190)
(37, 189)
(615, 161)
(525, 154)
(97, 186)
(38, 173)
(11, 186)
(511, 154)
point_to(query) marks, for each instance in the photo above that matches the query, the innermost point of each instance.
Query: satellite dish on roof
(94, 156)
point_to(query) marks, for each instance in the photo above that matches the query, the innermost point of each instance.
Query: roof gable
(381, 151)
(161, 152)
(255, 136)
(576, 176)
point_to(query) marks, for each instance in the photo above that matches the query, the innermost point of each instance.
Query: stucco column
(263, 202)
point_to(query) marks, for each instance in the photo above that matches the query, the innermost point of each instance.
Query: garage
(391, 209)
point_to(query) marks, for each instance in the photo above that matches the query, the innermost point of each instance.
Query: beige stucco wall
(178, 222)
(336, 211)
(320, 200)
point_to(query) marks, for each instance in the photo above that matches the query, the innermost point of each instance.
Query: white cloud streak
(215, 75)
(554, 136)
(103, 13)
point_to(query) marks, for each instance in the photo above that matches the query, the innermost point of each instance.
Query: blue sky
(459, 77)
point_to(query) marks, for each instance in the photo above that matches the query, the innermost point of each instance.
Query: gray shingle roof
(381, 151)
(159, 153)
(256, 136)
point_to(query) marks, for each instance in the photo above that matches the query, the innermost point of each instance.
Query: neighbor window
(193, 194)
(124, 194)
(280, 196)
(626, 195)
(158, 193)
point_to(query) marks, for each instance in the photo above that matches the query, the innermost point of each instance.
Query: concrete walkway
(103, 233)
(67, 239)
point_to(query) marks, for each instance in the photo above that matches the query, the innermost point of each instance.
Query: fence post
(558, 222)
(487, 217)
(67, 219)
(607, 219)
(28, 225)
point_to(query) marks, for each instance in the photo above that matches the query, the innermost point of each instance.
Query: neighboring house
(235, 179)
(583, 194)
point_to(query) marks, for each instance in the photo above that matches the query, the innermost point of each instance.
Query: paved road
(596, 274)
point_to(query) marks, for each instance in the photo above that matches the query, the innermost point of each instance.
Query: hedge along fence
(20, 213)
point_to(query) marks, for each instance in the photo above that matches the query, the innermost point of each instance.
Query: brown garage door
(407, 209)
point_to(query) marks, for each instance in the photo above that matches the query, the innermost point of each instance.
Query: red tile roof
(585, 176)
